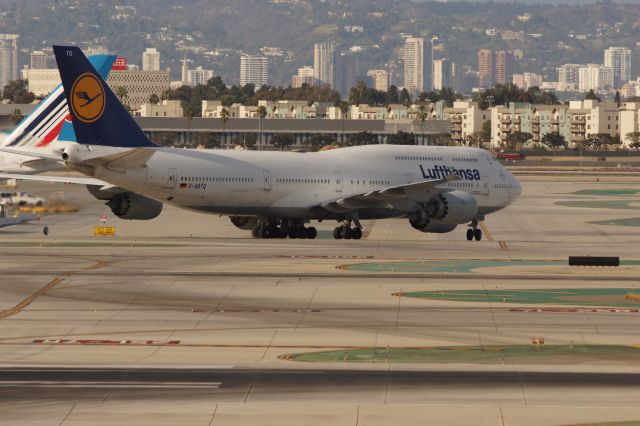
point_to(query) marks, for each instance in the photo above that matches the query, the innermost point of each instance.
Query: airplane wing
(387, 197)
(58, 179)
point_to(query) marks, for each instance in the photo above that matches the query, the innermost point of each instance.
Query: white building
(629, 120)
(8, 59)
(254, 69)
(167, 108)
(619, 59)
(96, 50)
(39, 60)
(443, 74)
(138, 85)
(380, 79)
(527, 80)
(42, 81)
(466, 119)
(199, 76)
(324, 62)
(418, 63)
(595, 77)
(305, 76)
(151, 59)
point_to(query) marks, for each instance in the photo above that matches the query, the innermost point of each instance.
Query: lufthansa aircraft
(274, 194)
(36, 144)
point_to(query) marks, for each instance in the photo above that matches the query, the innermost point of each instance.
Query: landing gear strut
(346, 232)
(280, 228)
(474, 232)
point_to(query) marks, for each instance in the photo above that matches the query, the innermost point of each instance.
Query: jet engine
(128, 205)
(444, 211)
(245, 223)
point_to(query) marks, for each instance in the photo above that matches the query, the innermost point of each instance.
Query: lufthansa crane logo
(87, 98)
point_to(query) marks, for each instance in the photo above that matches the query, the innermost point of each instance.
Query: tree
(392, 95)
(600, 141)
(475, 139)
(618, 99)
(515, 140)
(122, 93)
(282, 140)
(224, 116)
(486, 131)
(634, 139)
(422, 114)
(502, 94)
(344, 110)
(16, 92)
(554, 140)
(154, 99)
(591, 95)
(16, 116)
(404, 98)
(401, 138)
(320, 140)
(262, 113)
(362, 138)
(441, 139)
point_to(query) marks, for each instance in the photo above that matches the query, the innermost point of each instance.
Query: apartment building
(466, 118)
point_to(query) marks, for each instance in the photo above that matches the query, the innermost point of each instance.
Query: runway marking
(367, 230)
(577, 310)
(503, 244)
(105, 342)
(257, 310)
(305, 256)
(54, 282)
(109, 384)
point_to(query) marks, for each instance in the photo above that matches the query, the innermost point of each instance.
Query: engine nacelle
(436, 227)
(132, 206)
(245, 223)
(453, 208)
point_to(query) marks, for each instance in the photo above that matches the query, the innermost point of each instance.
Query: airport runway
(186, 320)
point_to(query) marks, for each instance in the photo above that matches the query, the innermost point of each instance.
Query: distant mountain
(213, 33)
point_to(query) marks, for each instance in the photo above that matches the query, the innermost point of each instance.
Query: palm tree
(262, 113)
(188, 113)
(422, 114)
(16, 116)
(224, 116)
(122, 93)
(344, 110)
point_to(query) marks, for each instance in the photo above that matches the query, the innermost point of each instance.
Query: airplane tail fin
(98, 116)
(43, 125)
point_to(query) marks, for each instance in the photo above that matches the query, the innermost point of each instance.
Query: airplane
(41, 132)
(275, 194)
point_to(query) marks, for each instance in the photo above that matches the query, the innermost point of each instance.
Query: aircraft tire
(478, 234)
(337, 233)
(470, 234)
(312, 233)
(356, 233)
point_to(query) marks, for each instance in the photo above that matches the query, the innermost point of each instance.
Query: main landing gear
(474, 232)
(283, 229)
(346, 232)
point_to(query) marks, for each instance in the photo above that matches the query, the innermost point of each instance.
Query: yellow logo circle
(87, 98)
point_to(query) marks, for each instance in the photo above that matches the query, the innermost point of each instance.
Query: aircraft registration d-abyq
(273, 194)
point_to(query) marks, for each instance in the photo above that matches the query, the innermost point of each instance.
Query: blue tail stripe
(107, 125)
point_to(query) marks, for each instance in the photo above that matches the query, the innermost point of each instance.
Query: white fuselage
(296, 185)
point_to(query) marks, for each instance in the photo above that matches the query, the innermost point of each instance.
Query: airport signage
(100, 231)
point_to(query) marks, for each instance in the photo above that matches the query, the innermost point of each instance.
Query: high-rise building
(443, 74)
(96, 50)
(380, 79)
(254, 69)
(8, 59)
(184, 72)
(527, 80)
(151, 59)
(39, 60)
(595, 77)
(569, 74)
(199, 76)
(345, 74)
(418, 64)
(503, 67)
(137, 86)
(305, 76)
(324, 62)
(619, 59)
(486, 67)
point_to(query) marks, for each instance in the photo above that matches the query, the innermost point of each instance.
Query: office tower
(486, 66)
(345, 74)
(324, 62)
(8, 59)
(151, 60)
(39, 60)
(254, 69)
(618, 59)
(595, 77)
(380, 79)
(443, 74)
(305, 76)
(199, 76)
(418, 64)
(503, 67)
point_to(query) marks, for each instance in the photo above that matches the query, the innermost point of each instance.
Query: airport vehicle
(40, 132)
(510, 156)
(273, 194)
(25, 199)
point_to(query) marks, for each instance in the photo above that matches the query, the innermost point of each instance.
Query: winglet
(98, 116)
